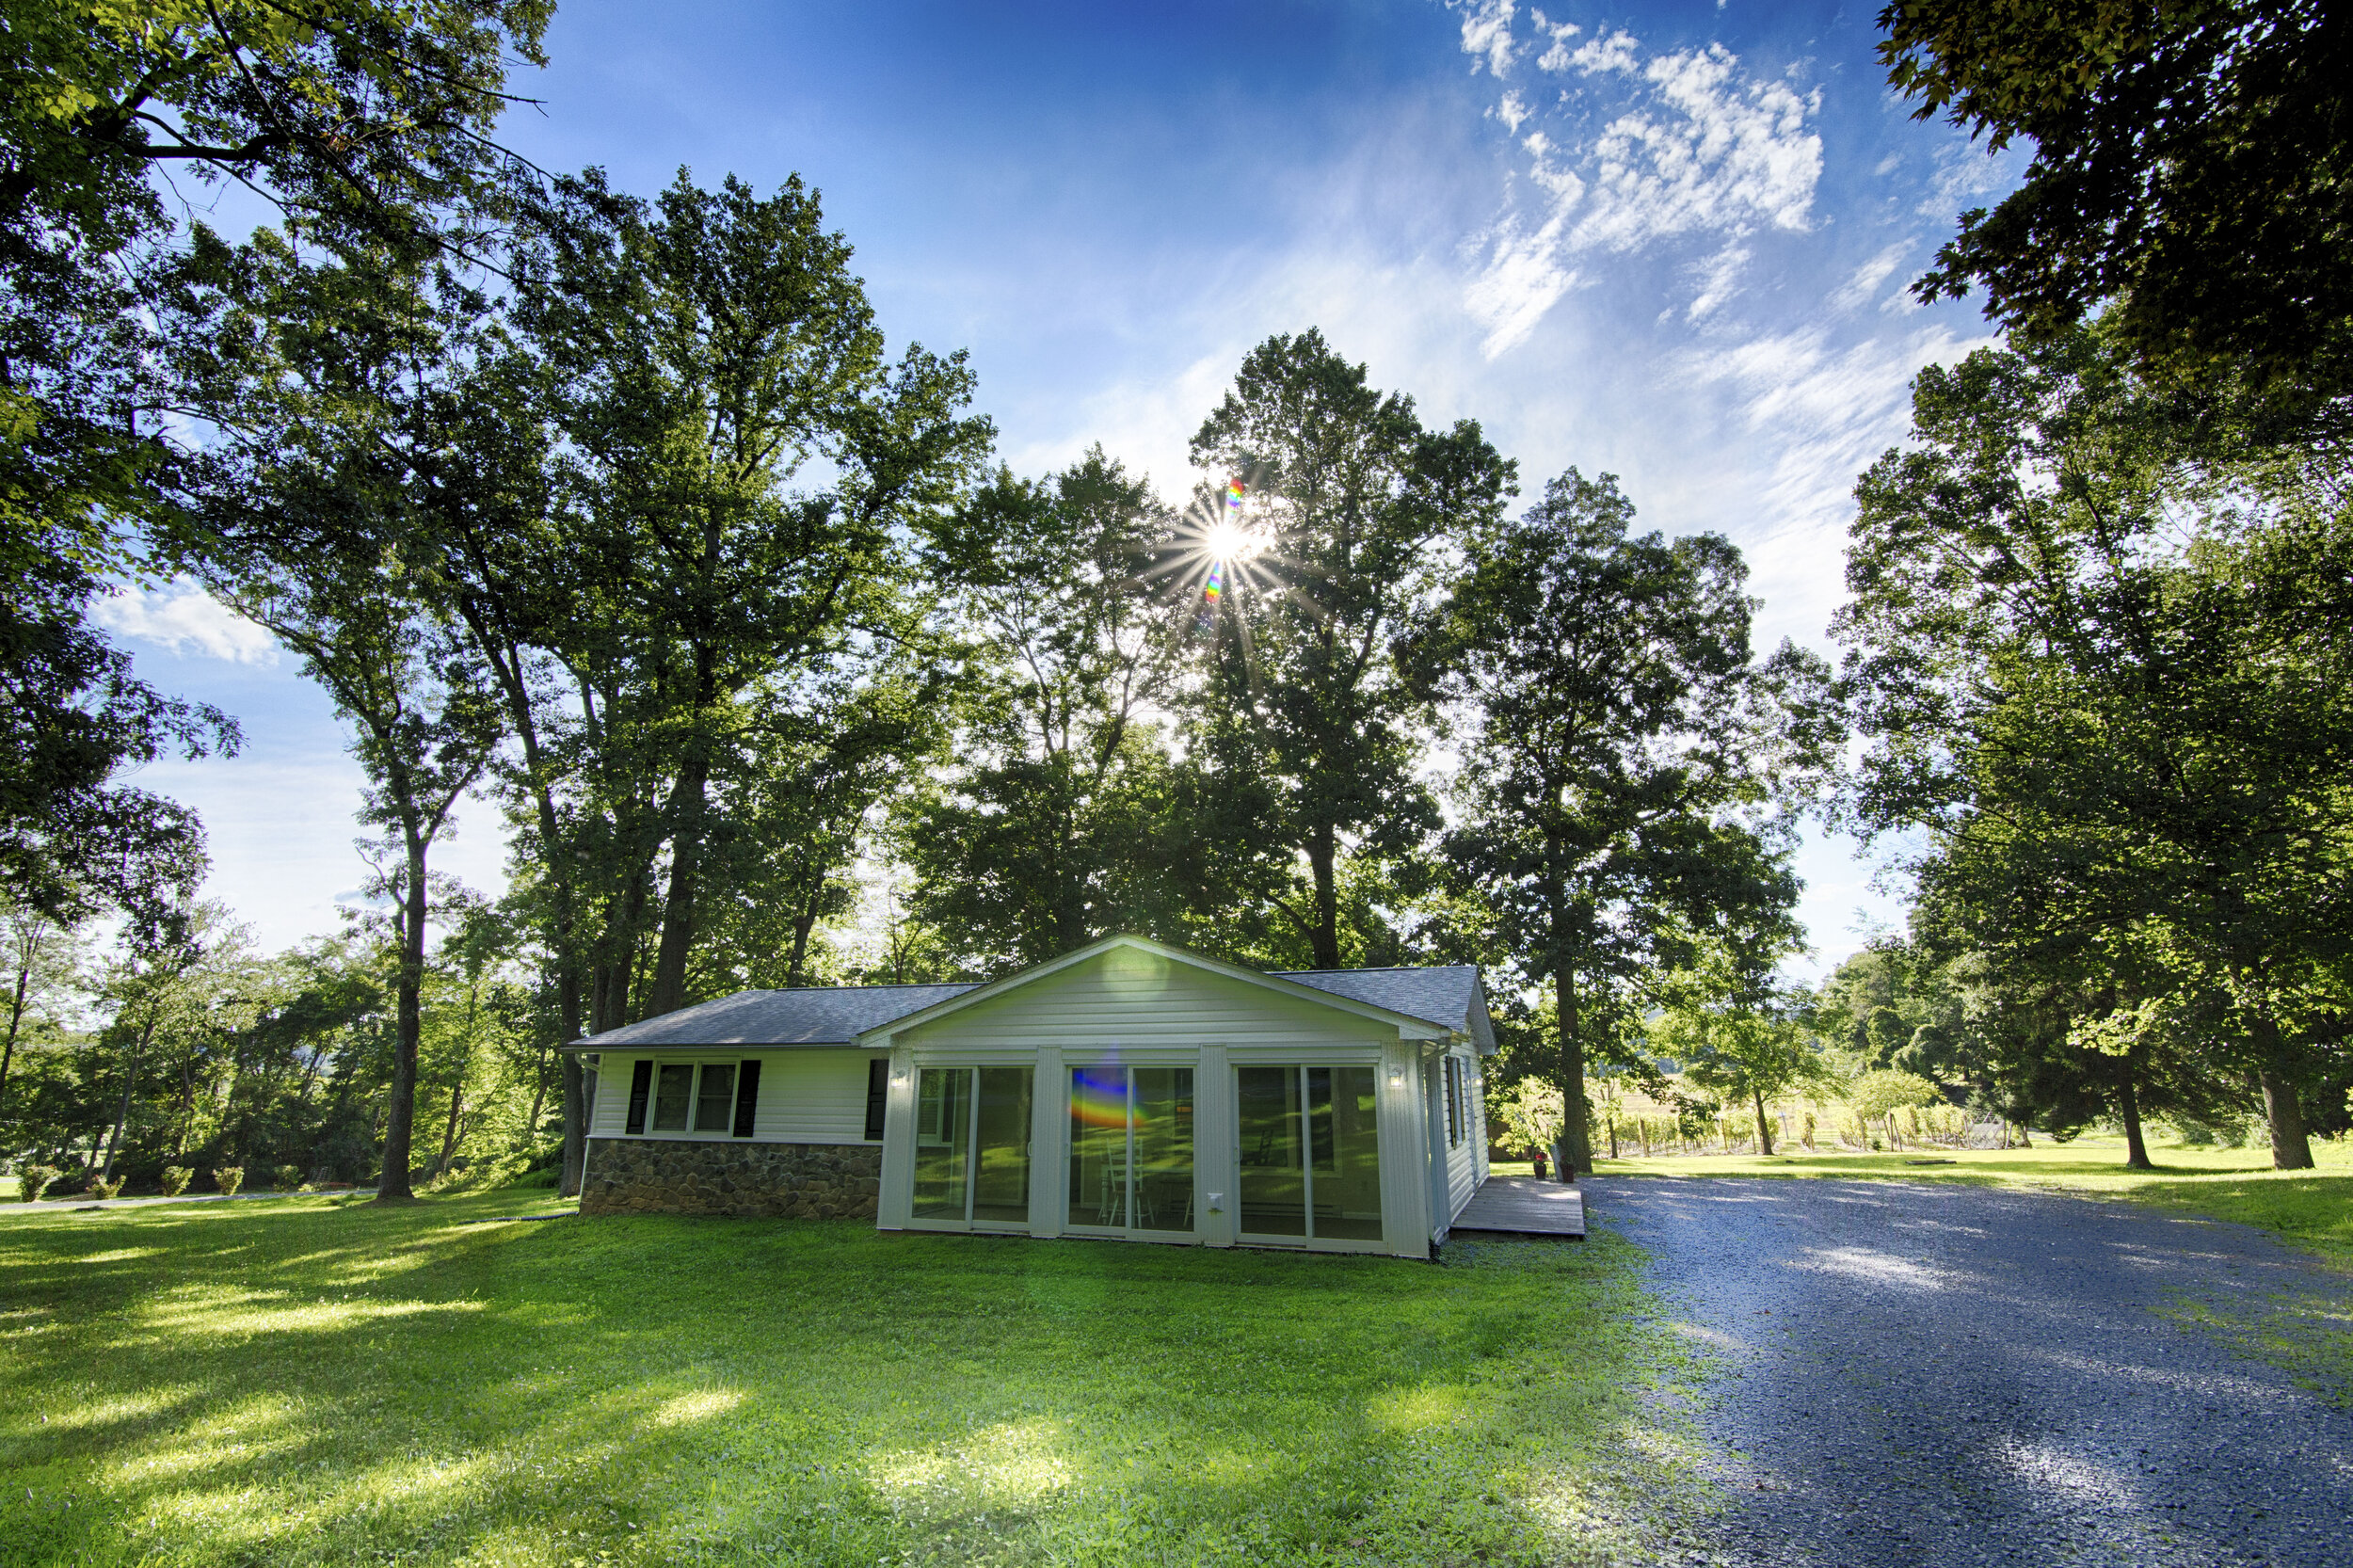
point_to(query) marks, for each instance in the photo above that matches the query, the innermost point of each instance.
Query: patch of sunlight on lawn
(687, 1409)
(196, 1310)
(1014, 1465)
(1428, 1406)
(302, 1384)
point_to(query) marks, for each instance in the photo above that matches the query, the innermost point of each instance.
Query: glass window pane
(673, 1090)
(1163, 1142)
(1273, 1195)
(1001, 1178)
(716, 1104)
(1348, 1165)
(1098, 1146)
(943, 1135)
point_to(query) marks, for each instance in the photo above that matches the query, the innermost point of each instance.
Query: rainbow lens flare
(1098, 1096)
(1217, 580)
(1233, 495)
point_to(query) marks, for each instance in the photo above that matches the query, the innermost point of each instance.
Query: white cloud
(1825, 414)
(1598, 54)
(1729, 152)
(1699, 148)
(1556, 56)
(184, 618)
(1487, 34)
(1521, 279)
(1512, 111)
(1866, 278)
(1719, 280)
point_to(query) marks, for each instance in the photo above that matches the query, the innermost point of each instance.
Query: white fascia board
(1407, 1026)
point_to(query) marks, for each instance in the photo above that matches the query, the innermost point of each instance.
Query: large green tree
(345, 443)
(1309, 735)
(363, 123)
(1051, 829)
(2105, 677)
(2193, 163)
(1620, 776)
(746, 473)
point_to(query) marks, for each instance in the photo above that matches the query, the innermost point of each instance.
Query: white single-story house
(1126, 1091)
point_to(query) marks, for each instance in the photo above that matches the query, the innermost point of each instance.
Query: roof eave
(1407, 1026)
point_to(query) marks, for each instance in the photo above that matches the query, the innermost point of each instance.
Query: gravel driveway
(1918, 1373)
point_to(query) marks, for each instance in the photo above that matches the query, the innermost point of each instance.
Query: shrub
(98, 1189)
(176, 1179)
(286, 1178)
(229, 1178)
(537, 1178)
(33, 1180)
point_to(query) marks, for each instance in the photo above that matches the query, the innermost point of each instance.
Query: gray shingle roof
(1439, 995)
(825, 1015)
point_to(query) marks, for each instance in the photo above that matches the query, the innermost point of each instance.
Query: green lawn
(2312, 1209)
(299, 1382)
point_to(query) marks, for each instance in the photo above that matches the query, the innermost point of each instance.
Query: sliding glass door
(1132, 1149)
(972, 1145)
(1310, 1153)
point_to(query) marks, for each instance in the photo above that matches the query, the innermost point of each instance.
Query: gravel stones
(1938, 1374)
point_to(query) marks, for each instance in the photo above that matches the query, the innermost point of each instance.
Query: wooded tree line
(621, 514)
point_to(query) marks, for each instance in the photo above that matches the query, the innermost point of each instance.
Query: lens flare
(1098, 1096)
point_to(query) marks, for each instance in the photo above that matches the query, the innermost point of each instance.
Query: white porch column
(1404, 1152)
(1434, 1166)
(898, 1170)
(1216, 1150)
(1049, 1172)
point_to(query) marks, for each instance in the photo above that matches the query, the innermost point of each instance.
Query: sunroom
(1128, 1091)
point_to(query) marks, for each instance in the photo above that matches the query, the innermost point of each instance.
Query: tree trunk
(538, 1095)
(16, 1016)
(449, 1133)
(668, 992)
(2291, 1147)
(131, 1079)
(2128, 1109)
(804, 922)
(1764, 1133)
(575, 1127)
(1324, 936)
(401, 1110)
(1576, 1143)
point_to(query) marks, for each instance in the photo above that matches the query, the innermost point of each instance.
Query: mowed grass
(300, 1381)
(2312, 1209)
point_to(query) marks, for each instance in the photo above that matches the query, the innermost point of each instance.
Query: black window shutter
(747, 1098)
(877, 1098)
(640, 1090)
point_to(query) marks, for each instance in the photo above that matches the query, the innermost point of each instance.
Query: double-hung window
(717, 1099)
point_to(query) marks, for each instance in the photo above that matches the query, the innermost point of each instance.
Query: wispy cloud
(184, 618)
(1825, 412)
(1487, 34)
(1697, 149)
(1865, 280)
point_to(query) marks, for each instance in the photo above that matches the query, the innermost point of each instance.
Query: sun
(1230, 541)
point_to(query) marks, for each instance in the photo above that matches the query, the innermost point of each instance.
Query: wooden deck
(1524, 1208)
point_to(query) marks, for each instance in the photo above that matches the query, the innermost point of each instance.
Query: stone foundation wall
(795, 1181)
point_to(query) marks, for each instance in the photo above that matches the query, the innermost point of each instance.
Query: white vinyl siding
(1464, 1159)
(810, 1095)
(1143, 1007)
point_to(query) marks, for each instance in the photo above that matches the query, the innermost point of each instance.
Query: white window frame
(1457, 1103)
(694, 1100)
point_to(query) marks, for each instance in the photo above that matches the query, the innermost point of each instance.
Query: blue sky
(1669, 241)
